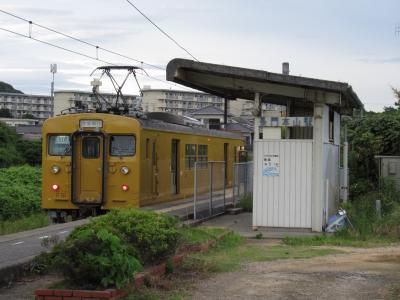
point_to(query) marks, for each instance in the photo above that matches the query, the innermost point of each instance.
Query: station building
(300, 161)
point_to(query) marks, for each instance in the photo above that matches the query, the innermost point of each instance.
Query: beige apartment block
(39, 106)
(66, 99)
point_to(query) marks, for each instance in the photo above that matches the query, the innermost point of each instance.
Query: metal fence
(209, 197)
(242, 180)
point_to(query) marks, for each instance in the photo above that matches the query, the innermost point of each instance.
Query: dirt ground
(372, 273)
(357, 274)
(25, 288)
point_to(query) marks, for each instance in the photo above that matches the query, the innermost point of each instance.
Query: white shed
(299, 175)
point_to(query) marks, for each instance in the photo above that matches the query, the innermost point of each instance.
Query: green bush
(111, 248)
(31, 151)
(95, 256)
(155, 236)
(246, 203)
(20, 192)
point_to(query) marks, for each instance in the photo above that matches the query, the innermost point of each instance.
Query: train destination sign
(90, 123)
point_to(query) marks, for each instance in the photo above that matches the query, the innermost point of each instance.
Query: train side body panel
(126, 162)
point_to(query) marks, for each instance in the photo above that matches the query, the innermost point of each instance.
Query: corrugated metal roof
(163, 126)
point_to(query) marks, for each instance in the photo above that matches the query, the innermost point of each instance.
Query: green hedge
(20, 191)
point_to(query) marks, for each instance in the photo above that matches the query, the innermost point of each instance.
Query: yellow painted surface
(149, 178)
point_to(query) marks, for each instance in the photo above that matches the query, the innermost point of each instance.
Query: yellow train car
(94, 162)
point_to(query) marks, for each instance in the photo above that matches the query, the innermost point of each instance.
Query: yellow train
(94, 161)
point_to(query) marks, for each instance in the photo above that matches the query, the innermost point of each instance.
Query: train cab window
(122, 145)
(190, 156)
(59, 145)
(91, 147)
(203, 156)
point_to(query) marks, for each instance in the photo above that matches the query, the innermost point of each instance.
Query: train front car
(90, 164)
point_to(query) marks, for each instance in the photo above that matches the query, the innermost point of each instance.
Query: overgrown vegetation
(246, 203)
(371, 135)
(20, 192)
(15, 151)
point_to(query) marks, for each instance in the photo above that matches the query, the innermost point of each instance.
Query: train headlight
(55, 169)
(55, 187)
(124, 170)
(125, 187)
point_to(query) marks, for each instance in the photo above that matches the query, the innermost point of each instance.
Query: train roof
(164, 126)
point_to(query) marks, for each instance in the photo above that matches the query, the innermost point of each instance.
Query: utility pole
(397, 30)
(53, 70)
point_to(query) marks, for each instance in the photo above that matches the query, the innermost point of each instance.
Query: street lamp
(53, 70)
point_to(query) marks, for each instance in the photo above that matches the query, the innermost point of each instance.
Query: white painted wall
(284, 200)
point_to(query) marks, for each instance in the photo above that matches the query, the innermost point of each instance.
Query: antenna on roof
(121, 104)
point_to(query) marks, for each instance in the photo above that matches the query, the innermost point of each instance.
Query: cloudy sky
(352, 41)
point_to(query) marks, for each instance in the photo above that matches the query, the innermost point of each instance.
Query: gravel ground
(358, 274)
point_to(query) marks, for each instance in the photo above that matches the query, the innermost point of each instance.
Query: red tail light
(125, 187)
(55, 187)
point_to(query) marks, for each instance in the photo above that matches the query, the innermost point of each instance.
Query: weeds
(246, 203)
(190, 235)
(33, 221)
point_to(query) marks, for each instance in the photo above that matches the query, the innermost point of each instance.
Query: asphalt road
(19, 248)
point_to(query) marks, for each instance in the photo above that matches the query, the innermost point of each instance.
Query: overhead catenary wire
(78, 40)
(80, 54)
(161, 30)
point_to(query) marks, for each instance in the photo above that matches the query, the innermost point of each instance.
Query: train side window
(190, 156)
(91, 147)
(122, 145)
(59, 145)
(203, 156)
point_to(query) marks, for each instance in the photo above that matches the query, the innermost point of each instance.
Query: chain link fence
(209, 197)
(242, 180)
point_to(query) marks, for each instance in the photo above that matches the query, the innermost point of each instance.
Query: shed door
(89, 169)
(282, 183)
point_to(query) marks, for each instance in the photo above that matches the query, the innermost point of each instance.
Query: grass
(33, 221)
(229, 254)
(155, 294)
(337, 240)
(232, 251)
(197, 235)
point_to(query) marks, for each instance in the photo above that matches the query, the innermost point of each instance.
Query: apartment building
(65, 99)
(178, 102)
(18, 104)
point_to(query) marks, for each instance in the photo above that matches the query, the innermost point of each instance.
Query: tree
(5, 113)
(397, 95)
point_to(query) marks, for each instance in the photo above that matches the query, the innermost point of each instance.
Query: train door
(174, 166)
(226, 161)
(88, 167)
(154, 169)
